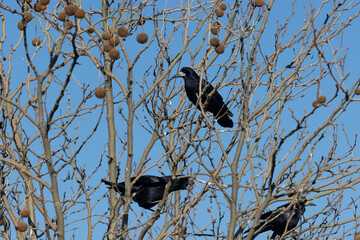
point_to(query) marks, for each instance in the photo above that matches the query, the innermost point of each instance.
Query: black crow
(148, 190)
(284, 218)
(214, 104)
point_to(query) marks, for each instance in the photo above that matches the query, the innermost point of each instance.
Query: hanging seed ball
(80, 13)
(61, 16)
(222, 6)
(357, 91)
(28, 17)
(43, 7)
(21, 25)
(2, 221)
(70, 9)
(259, 3)
(38, 7)
(44, 2)
(315, 103)
(28, 1)
(357, 237)
(21, 226)
(216, 24)
(36, 41)
(322, 99)
(220, 49)
(142, 38)
(214, 42)
(100, 92)
(219, 12)
(69, 24)
(215, 30)
(25, 212)
(108, 47)
(122, 31)
(106, 35)
(90, 30)
(114, 41)
(114, 53)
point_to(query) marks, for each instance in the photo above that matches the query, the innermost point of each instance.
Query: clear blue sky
(94, 152)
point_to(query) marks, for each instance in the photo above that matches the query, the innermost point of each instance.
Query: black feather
(283, 218)
(213, 102)
(148, 190)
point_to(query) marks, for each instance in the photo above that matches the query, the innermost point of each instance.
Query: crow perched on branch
(148, 190)
(283, 219)
(212, 100)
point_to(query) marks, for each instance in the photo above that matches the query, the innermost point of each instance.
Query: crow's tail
(225, 121)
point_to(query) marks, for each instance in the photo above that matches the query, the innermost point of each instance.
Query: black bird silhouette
(148, 190)
(284, 218)
(214, 102)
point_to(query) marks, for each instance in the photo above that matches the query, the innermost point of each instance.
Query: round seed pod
(25, 212)
(215, 30)
(21, 25)
(108, 47)
(357, 237)
(38, 7)
(322, 99)
(100, 92)
(70, 9)
(114, 41)
(142, 38)
(122, 31)
(357, 91)
(315, 103)
(80, 13)
(259, 3)
(43, 7)
(220, 49)
(2, 221)
(28, 17)
(216, 24)
(219, 12)
(69, 24)
(28, 1)
(222, 6)
(61, 16)
(214, 42)
(44, 2)
(106, 35)
(114, 53)
(21, 227)
(36, 41)
(90, 30)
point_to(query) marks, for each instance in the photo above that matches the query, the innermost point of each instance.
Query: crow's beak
(179, 74)
(310, 204)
